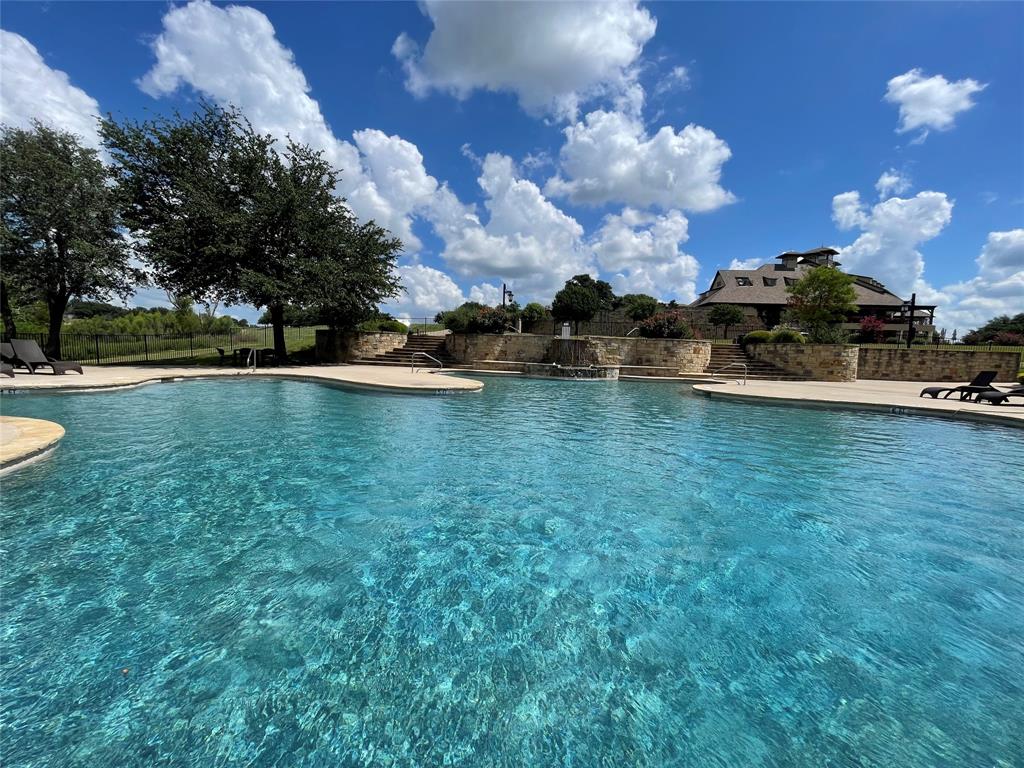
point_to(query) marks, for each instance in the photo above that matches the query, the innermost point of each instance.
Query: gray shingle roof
(870, 293)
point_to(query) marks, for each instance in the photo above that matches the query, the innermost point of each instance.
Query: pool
(545, 573)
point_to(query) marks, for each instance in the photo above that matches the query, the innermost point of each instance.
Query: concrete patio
(888, 396)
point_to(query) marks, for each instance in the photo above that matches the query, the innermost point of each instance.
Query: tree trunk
(55, 306)
(10, 331)
(277, 320)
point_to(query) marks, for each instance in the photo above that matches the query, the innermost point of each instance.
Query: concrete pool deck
(383, 378)
(900, 397)
(25, 440)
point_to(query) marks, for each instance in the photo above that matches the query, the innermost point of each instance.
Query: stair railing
(730, 365)
(412, 366)
(630, 333)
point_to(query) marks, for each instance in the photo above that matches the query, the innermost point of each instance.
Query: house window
(790, 280)
(744, 281)
(770, 281)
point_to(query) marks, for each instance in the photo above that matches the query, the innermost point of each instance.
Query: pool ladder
(730, 365)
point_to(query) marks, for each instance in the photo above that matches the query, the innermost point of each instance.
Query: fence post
(96, 338)
(191, 350)
(145, 345)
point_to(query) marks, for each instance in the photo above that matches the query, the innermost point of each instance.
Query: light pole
(910, 319)
(506, 292)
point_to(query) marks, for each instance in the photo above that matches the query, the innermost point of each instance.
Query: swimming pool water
(546, 573)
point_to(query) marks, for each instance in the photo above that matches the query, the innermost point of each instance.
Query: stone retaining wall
(338, 347)
(682, 355)
(818, 362)
(939, 365)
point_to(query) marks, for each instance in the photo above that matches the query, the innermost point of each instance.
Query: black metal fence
(106, 348)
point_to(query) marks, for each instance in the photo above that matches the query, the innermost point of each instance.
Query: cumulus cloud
(753, 263)
(608, 157)
(892, 182)
(997, 289)
(930, 103)
(552, 56)
(526, 240)
(429, 291)
(892, 231)
(31, 90)
(642, 251)
(232, 55)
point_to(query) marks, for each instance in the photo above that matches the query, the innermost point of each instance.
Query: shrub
(872, 329)
(827, 334)
(666, 325)
(757, 337)
(384, 325)
(787, 336)
(1008, 339)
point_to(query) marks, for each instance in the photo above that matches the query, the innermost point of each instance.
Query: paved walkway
(889, 396)
(24, 440)
(388, 378)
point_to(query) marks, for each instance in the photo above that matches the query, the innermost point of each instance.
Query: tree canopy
(822, 299)
(223, 214)
(1009, 330)
(61, 230)
(580, 299)
(639, 306)
(725, 315)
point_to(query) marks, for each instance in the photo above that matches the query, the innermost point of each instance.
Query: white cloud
(643, 253)
(892, 230)
(753, 263)
(429, 291)
(31, 90)
(892, 182)
(232, 55)
(678, 79)
(997, 289)
(608, 157)
(930, 103)
(526, 241)
(552, 56)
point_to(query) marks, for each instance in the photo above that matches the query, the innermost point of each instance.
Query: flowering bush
(872, 329)
(1008, 339)
(666, 325)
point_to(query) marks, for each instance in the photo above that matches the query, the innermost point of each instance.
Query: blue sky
(648, 143)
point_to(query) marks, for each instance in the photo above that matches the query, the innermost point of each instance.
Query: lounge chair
(999, 396)
(31, 356)
(980, 383)
(6, 369)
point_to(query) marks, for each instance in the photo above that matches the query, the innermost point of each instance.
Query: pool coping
(34, 439)
(373, 378)
(924, 408)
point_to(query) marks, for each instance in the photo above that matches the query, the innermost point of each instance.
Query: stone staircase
(757, 370)
(432, 345)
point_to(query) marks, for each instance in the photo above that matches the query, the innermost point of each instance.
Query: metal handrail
(252, 356)
(412, 362)
(630, 333)
(730, 365)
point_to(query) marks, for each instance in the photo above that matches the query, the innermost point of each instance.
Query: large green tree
(822, 299)
(579, 300)
(725, 315)
(225, 215)
(639, 306)
(61, 231)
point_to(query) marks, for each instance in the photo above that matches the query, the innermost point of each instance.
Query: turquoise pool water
(544, 574)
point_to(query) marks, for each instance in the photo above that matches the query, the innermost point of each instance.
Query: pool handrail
(412, 362)
(730, 365)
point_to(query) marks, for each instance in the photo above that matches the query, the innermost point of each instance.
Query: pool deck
(888, 396)
(388, 379)
(25, 440)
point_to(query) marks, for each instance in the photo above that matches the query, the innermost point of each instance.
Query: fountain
(569, 358)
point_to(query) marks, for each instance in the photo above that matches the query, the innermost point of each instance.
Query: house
(762, 294)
